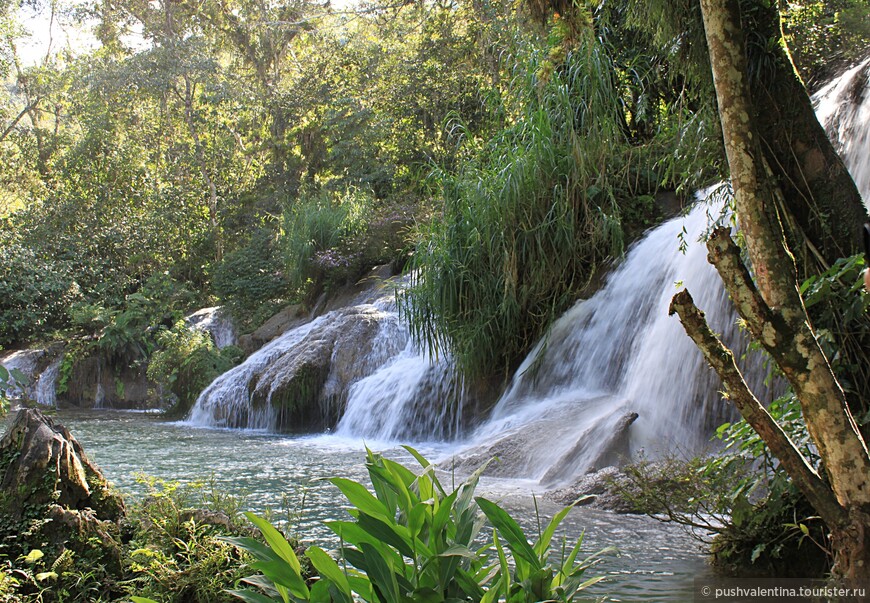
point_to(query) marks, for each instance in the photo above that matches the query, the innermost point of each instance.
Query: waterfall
(618, 360)
(843, 108)
(227, 401)
(214, 322)
(46, 386)
(25, 361)
(370, 379)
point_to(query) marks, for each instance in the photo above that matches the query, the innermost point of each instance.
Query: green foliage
(177, 553)
(35, 293)
(331, 239)
(526, 222)
(250, 282)
(412, 541)
(840, 310)
(820, 32)
(186, 362)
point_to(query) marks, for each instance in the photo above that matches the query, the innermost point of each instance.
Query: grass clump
(527, 221)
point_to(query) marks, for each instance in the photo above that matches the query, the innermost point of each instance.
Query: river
(279, 473)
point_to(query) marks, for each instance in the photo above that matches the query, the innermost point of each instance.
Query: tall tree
(772, 307)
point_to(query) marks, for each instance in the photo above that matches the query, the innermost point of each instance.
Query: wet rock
(613, 451)
(93, 383)
(288, 318)
(602, 489)
(216, 323)
(307, 385)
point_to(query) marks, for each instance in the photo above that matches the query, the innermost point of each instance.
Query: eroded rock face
(94, 384)
(52, 497)
(43, 464)
(308, 383)
(288, 318)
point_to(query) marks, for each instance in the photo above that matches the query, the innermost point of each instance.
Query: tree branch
(722, 360)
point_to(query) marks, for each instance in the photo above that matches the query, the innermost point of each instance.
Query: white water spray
(46, 386)
(617, 355)
(843, 108)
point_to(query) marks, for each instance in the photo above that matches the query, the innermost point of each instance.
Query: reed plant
(527, 220)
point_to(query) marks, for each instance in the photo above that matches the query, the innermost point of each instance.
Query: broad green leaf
(282, 574)
(511, 531)
(249, 596)
(328, 568)
(420, 458)
(20, 377)
(543, 542)
(42, 576)
(276, 541)
(255, 547)
(360, 497)
(381, 576)
(34, 556)
(135, 599)
(394, 535)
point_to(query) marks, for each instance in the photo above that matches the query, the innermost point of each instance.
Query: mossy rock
(52, 497)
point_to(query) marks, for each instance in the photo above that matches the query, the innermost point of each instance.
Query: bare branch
(722, 361)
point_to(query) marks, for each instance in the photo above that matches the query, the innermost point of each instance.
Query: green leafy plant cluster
(251, 282)
(177, 552)
(331, 238)
(186, 361)
(527, 220)
(35, 293)
(412, 541)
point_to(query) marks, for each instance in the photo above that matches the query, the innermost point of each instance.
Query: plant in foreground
(411, 540)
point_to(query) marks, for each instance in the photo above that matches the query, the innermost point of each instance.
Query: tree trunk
(774, 310)
(817, 189)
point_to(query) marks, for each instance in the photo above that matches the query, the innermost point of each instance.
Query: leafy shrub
(250, 282)
(412, 541)
(177, 553)
(320, 232)
(525, 222)
(186, 362)
(34, 294)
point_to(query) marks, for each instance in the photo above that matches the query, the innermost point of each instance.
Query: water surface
(656, 562)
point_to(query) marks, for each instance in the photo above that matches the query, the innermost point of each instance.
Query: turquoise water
(656, 562)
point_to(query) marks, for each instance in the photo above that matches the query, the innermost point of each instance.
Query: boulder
(52, 497)
(42, 464)
(308, 384)
(289, 317)
(610, 449)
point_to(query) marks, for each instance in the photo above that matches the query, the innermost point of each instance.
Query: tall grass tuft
(526, 222)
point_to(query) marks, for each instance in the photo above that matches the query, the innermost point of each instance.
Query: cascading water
(227, 401)
(216, 323)
(615, 375)
(614, 361)
(46, 386)
(843, 107)
(381, 384)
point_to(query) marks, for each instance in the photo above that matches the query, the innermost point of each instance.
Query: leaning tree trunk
(774, 310)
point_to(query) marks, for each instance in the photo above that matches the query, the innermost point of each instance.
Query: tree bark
(818, 192)
(774, 310)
